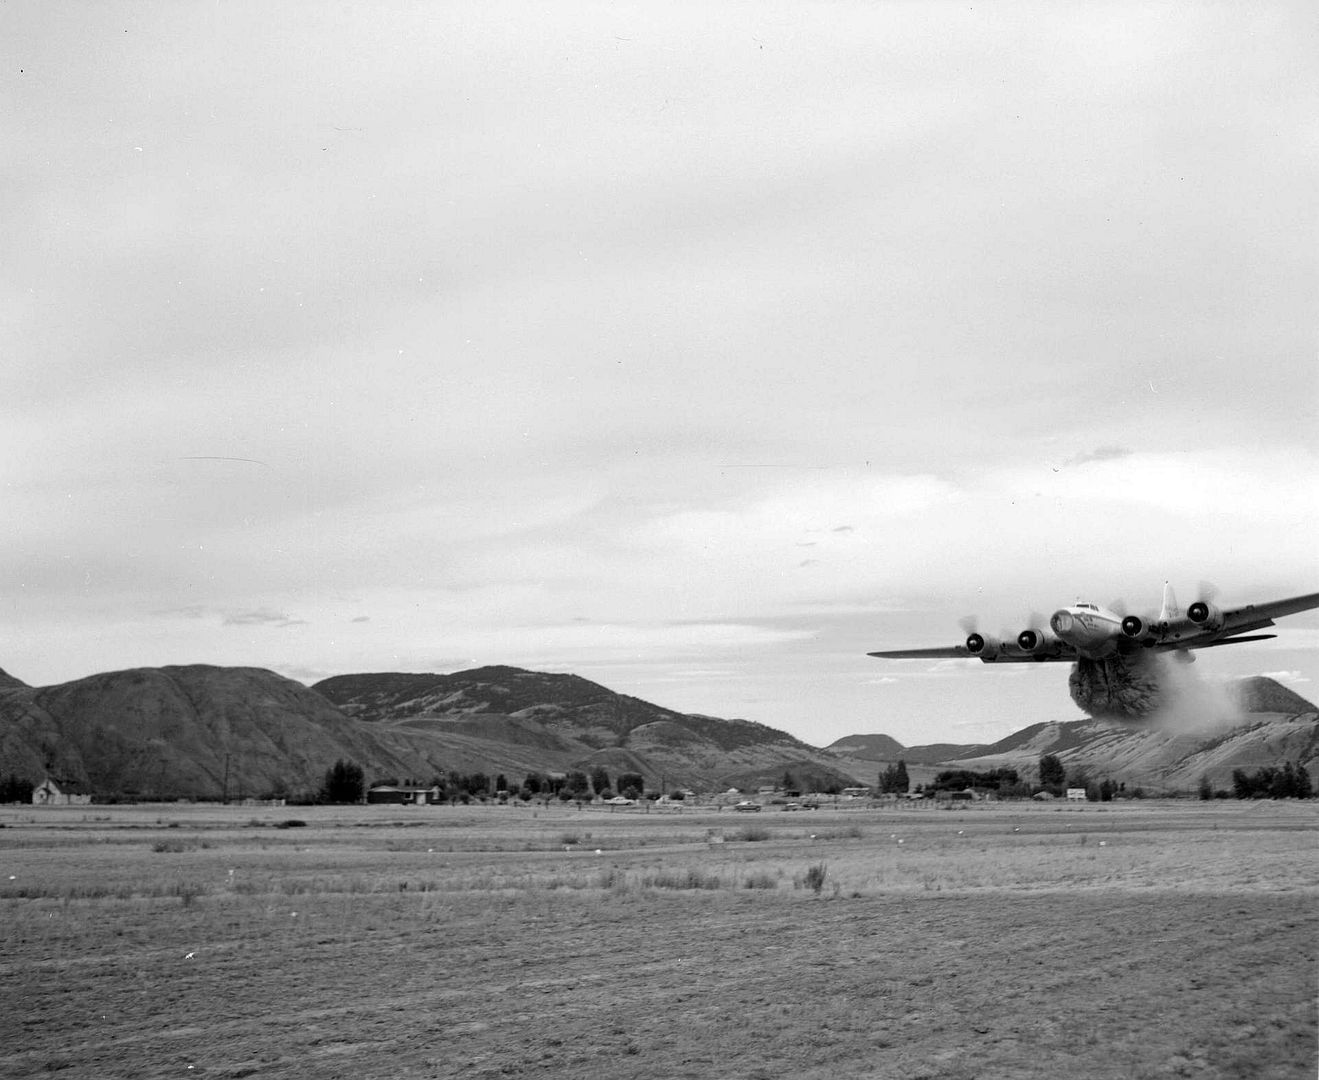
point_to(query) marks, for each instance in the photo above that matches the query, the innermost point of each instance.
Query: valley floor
(1110, 940)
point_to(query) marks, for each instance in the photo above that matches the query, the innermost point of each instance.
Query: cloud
(562, 367)
(189, 611)
(954, 666)
(1102, 453)
(260, 617)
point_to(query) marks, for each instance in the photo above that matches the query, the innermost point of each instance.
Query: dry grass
(1133, 941)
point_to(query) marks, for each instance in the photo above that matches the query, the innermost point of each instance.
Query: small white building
(1076, 794)
(49, 793)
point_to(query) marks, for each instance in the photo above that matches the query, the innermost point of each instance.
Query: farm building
(402, 795)
(1076, 794)
(64, 793)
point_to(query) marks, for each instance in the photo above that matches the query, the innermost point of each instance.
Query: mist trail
(1149, 688)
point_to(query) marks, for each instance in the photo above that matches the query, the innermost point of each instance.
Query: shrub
(691, 878)
(751, 833)
(814, 877)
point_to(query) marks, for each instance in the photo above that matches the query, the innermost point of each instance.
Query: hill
(867, 747)
(205, 732)
(1271, 724)
(179, 732)
(505, 713)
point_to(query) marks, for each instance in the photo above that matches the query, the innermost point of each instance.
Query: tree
(501, 782)
(894, 779)
(13, 788)
(631, 785)
(961, 779)
(599, 779)
(1052, 773)
(1206, 789)
(1292, 781)
(344, 783)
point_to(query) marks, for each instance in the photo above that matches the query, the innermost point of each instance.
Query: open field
(1108, 940)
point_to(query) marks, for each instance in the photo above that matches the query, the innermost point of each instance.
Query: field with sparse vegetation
(1009, 940)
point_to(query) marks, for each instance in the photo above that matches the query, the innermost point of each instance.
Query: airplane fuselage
(1094, 632)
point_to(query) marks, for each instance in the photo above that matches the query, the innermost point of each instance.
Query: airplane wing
(947, 652)
(1004, 655)
(1256, 616)
(1235, 640)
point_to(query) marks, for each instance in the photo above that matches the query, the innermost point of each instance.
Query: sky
(696, 349)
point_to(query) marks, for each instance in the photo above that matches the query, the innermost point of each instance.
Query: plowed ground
(1144, 941)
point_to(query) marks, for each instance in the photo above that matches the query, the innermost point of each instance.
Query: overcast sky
(697, 349)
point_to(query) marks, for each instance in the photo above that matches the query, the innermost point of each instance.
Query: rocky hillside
(1273, 725)
(178, 731)
(537, 721)
(202, 731)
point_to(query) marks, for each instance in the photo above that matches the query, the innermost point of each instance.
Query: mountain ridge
(1272, 724)
(202, 731)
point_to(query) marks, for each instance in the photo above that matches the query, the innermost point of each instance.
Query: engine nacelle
(1037, 642)
(982, 646)
(1205, 615)
(1133, 626)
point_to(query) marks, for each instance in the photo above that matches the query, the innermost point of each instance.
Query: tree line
(1291, 781)
(345, 782)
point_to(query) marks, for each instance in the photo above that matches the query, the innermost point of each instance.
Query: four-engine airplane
(1088, 631)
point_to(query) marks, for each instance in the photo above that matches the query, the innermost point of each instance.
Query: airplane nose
(1061, 622)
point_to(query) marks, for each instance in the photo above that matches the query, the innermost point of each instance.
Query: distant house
(1076, 794)
(856, 792)
(403, 796)
(63, 793)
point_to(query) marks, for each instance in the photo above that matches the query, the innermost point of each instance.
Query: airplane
(1087, 631)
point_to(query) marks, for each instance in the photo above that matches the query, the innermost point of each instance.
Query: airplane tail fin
(1170, 611)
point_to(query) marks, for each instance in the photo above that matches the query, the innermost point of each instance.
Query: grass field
(1108, 940)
